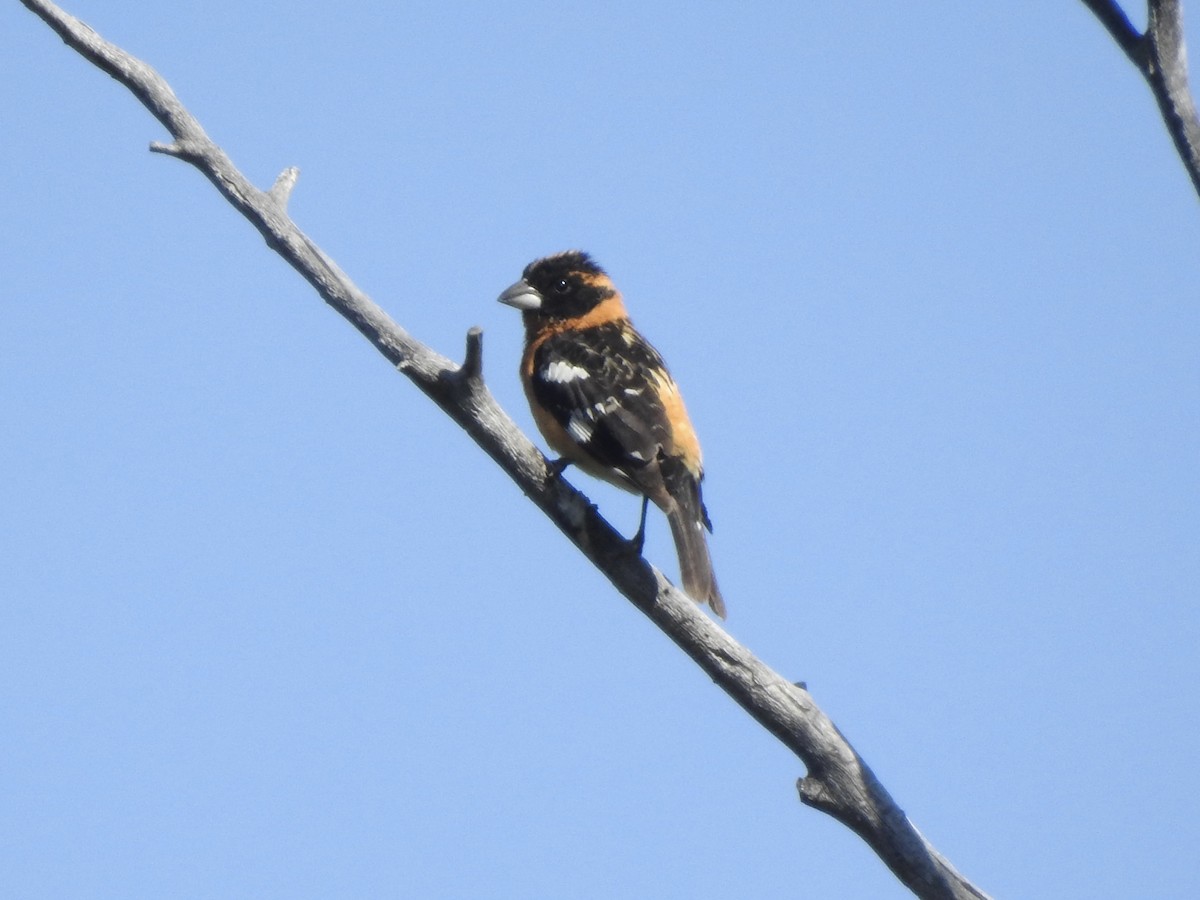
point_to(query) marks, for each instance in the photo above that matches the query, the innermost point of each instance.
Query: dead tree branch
(1161, 57)
(838, 781)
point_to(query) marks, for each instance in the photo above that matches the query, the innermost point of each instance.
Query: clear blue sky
(272, 626)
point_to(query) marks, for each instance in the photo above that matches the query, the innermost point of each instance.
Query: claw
(638, 541)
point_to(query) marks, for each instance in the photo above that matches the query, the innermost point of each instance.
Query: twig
(1114, 19)
(1161, 57)
(838, 781)
(472, 367)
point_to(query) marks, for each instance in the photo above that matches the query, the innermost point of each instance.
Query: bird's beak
(522, 295)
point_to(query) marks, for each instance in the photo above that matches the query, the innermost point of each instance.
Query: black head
(562, 286)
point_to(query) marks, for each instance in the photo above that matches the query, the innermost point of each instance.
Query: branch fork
(1161, 57)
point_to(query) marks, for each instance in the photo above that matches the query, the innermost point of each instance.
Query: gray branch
(838, 781)
(1161, 57)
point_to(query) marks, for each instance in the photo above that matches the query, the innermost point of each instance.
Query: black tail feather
(689, 519)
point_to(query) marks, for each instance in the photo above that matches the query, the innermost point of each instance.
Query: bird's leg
(638, 540)
(558, 466)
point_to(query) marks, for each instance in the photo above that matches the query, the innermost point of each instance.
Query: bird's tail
(689, 521)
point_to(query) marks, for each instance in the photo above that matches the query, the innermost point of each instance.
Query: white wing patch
(562, 372)
(582, 423)
(580, 426)
(604, 408)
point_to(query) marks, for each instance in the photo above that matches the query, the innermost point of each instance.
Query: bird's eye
(562, 286)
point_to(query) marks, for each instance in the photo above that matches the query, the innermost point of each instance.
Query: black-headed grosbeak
(604, 400)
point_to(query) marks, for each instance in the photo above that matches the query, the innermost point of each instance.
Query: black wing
(602, 387)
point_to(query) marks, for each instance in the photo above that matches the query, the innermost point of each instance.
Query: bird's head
(564, 286)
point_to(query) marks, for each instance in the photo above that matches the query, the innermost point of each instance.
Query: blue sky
(272, 626)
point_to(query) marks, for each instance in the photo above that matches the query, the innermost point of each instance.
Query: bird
(603, 399)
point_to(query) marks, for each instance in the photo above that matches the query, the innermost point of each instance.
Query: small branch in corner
(1128, 38)
(1160, 56)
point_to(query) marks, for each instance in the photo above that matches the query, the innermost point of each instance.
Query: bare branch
(838, 781)
(1114, 19)
(1168, 79)
(281, 190)
(1161, 57)
(472, 366)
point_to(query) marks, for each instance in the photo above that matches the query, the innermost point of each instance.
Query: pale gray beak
(522, 295)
